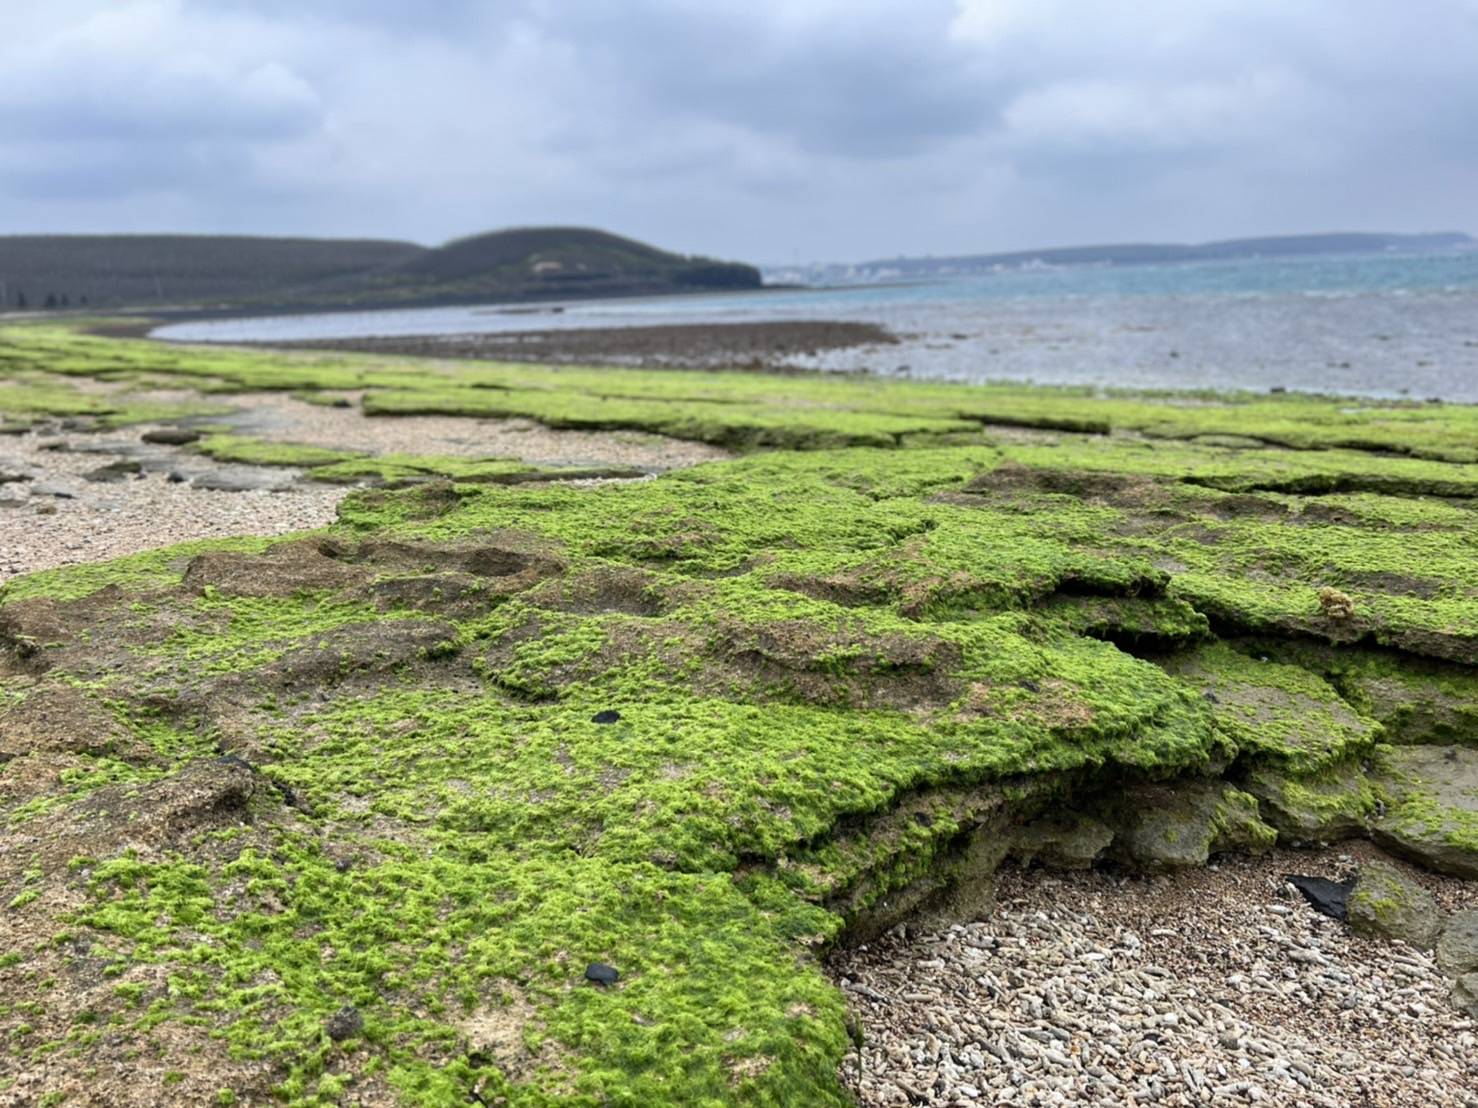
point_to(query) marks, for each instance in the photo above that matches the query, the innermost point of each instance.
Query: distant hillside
(166, 273)
(1123, 254)
(121, 270)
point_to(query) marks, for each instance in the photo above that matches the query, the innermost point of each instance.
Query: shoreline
(768, 347)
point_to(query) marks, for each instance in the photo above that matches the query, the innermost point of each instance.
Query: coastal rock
(1431, 807)
(1173, 826)
(114, 472)
(1387, 904)
(1066, 841)
(1325, 808)
(1465, 994)
(282, 570)
(1457, 949)
(59, 719)
(240, 481)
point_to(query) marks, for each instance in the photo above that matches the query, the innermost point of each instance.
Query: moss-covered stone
(1431, 806)
(1161, 826)
(1387, 904)
(1333, 803)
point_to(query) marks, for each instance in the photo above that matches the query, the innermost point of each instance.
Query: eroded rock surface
(434, 761)
(1432, 807)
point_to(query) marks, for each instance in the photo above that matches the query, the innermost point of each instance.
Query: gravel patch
(281, 418)
(1212, 987)
(58, 517)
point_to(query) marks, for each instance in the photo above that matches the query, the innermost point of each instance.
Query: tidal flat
(536, 783)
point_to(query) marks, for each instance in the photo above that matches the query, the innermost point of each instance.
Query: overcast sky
(769, 130)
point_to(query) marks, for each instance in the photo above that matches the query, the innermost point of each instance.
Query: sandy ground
(1217, 986)
(281, 418)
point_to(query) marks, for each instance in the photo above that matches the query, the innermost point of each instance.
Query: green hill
(171, 273)
(548, 262)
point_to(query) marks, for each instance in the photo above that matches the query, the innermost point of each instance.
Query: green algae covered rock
(1331, 804)
(1388, 904)
(1161, 827)
(1431, 798)
(432, 763)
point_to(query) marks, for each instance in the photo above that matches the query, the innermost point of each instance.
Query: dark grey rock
(1432, 807)
(114, 472)
(609, 715)
(602, 974)
(344, 1024)
(171, 436)
(1065, 841)
(1179, 824)
(1465, 994)
(239, 481)
(1324, 809)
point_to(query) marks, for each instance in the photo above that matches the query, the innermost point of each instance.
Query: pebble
(1057, 999)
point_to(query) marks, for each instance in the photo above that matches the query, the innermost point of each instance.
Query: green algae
(841, 675)
(153, 569)
(1281, 714)
(246, 450)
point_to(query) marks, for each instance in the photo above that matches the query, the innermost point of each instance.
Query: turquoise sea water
(1377, 324)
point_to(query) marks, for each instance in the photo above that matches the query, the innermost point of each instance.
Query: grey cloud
(769, 129)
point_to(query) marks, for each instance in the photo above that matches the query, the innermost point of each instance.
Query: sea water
(1387, 324)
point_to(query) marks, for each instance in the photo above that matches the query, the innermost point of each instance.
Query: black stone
(171, 436)
(1330, 898)
(344, 1024)
(607, 716)
(602, 974)
(176, 478)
